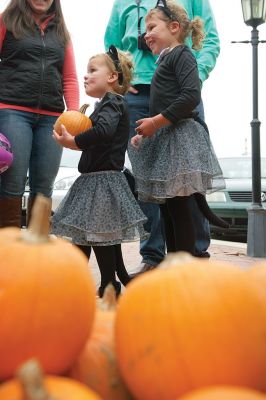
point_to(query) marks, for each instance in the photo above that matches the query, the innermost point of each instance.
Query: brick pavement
(234, 253)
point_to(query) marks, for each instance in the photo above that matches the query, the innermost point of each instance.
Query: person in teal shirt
(122, 30)
(125, 25)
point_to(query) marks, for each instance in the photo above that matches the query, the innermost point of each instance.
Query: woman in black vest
(37, 74)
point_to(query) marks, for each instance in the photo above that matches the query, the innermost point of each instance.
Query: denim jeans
(152, 250)
(202, 229)
(34, 149)
(201, 224)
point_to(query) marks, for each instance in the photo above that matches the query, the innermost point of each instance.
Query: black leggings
(178, 223)
(110, 262)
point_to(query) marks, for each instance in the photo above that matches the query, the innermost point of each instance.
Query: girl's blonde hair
(194, 27)
(126, 65)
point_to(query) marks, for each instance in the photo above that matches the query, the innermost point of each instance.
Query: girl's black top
(175, 87)
(104, 145)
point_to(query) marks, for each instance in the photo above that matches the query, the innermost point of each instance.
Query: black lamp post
(254, 14)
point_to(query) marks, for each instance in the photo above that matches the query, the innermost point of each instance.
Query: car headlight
(65, 183)
(216, 197)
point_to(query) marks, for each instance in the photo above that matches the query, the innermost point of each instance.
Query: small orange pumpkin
(97, 366)
(75, 122)
(31, 385)
(224, 393)
(201, 323)
(47, 297)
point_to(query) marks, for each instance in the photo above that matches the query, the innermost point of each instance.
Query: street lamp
(254, 14)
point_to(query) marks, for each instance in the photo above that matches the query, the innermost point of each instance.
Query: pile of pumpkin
(190, 330)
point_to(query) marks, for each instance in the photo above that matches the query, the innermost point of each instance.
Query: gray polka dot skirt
(99, 210)
(178, 160)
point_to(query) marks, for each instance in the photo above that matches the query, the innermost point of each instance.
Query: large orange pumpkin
(75, 121)
(224, 393)
(47, 297)
(188, 326)
(31, 385)
(97, 366)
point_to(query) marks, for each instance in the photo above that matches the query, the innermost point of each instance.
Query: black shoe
(144, 268)
(116, 285)
(204, 254)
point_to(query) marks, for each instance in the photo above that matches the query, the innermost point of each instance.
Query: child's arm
(65, 140)
(148, 126)
(105, 123)
(183, 64)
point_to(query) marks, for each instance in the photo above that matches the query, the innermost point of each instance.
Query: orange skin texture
(61, 388)
(47, 302)
(97, 365)
(224, 393)
(201, 323)
(75, 122)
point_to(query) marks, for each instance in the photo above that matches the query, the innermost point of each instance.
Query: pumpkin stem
(31, 377)
(108, 301)
(84, 108)
(174, 259)
(39, 226)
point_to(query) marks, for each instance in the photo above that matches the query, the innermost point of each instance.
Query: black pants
(178, 223)
(110, 262)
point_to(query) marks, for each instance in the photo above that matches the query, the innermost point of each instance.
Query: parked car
(232, 203)
(67, 174)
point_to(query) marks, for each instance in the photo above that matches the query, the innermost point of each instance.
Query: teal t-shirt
(122, 31)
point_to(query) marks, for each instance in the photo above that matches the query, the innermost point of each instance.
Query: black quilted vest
(31, 70)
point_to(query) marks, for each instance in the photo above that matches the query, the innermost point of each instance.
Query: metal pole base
(256, 232)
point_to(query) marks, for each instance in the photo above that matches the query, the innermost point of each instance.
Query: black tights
(110, 262)
(178, 223)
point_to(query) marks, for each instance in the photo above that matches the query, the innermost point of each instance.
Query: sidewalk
(235, 253)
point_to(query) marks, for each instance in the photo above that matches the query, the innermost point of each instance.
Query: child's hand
(136, 141)
(146, 127)
(65, 140)
(133, 90)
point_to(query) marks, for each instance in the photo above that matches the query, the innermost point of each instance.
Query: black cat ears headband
(162, 5)
(113, 54)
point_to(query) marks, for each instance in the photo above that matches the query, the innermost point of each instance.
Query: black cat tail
(207, 212)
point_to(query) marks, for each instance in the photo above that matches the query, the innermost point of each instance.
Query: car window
(70, 158)
(234, 168)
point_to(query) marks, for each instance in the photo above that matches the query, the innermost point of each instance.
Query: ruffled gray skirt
(176, 161)
(99, 210)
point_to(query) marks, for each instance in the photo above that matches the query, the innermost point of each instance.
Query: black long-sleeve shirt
(104, 145)
(175, 87)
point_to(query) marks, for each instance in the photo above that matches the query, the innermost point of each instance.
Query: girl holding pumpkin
(100, 209)
(173, 157)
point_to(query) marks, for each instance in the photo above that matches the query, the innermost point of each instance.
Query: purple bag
(6, 155)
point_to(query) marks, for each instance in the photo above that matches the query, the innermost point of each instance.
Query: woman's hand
(136, 141)
(146, 127)
(65, 139)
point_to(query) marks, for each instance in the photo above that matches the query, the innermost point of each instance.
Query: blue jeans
(34, 149)
(201, 224)
(152, 250)
(202, 229)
